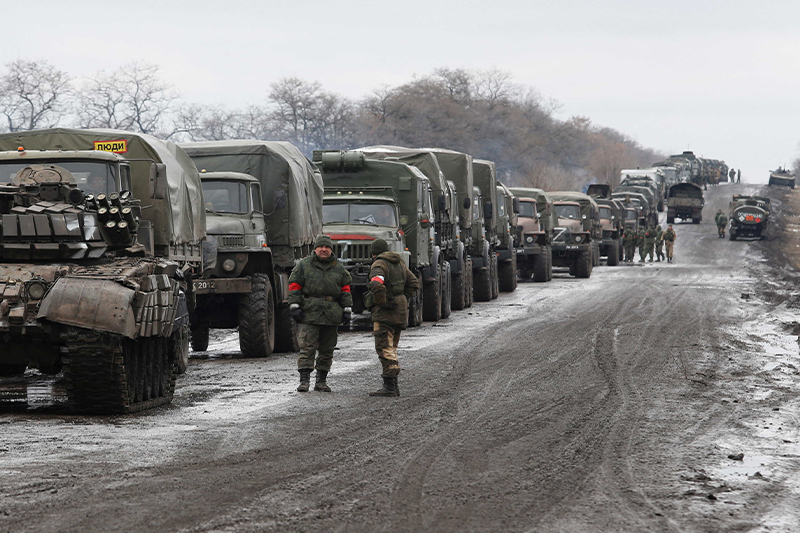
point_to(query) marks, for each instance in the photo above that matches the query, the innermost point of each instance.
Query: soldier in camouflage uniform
(319, 300)
(650, 242)
(629, 244)
(722, 221)
(391, 284)
(669, 240)
(640, 242)
(659, 243)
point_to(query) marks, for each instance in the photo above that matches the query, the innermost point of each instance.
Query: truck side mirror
(442, 202)
(516, 206)
(467, 203)
(158, 181)
(487, 209)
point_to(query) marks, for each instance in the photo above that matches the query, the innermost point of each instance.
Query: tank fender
(429, 272)
(97, 304)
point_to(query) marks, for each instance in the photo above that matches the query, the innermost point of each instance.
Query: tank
(101, 235)
(781, 176)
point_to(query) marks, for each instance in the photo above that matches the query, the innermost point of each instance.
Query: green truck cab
(102, 232)
(612, 220)
(576, 240)
(507, 238)
(486, 282)
(235, 289)
(366, 199)
(536, 222)
(653, 178)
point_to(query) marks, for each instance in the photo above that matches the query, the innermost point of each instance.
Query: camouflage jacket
(669, 235)
(650, 235)
(321, 288)
(629, 237)
(722, 220)
(391, 284)
(640, 237)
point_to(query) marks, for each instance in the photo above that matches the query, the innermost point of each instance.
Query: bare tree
(33, 94)
(132, 98)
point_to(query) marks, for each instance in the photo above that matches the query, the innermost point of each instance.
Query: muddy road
(618, 403)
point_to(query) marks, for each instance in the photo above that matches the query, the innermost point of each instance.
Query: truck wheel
(540, 264)
(458, 301)
(199, 338)
(415, 304)
(695, 220)
(494, 272)
(595, 253)
(613, 254)
(621, 250)
(670, 220)
(470, 288)
(447, 290)
(180, 348)
(549, 254)
(732, 236)
(431, 298)
(257, 319)
(482, 279)
(286, 340)
(583, 264)
(506, 276)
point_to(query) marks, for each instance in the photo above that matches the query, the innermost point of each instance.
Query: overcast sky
(720, 78)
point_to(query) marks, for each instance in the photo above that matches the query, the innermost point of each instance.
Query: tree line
(481, 112)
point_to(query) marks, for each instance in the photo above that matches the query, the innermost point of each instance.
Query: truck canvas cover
(457, 167)
(184, 210)
(291, 189)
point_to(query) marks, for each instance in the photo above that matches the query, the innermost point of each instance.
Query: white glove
(347, 310)
(292, 307)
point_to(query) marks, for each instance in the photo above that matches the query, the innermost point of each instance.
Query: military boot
(305, 380)
(320, 384)
(389, 388)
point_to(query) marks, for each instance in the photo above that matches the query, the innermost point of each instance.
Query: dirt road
(608, 404)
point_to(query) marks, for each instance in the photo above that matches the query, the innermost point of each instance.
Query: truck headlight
(529, 239)
(229, 265)
(36, 290)
(578, 238)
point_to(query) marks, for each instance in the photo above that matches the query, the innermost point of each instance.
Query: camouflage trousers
(630, 252)
(642, 252)
(649, 249)
(670, 246)
(387, 338)
(660, 249)
(313, 339)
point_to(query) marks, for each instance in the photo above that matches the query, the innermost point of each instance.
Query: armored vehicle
(781, 176)
(685, 201)
(749, 216)
(366, 199)
(537, 221)
(452, 252)
(507, 236)
(236, 286)
(576, 239)
(612, 215)
(101, 234)
(291, 196)
(652, 178)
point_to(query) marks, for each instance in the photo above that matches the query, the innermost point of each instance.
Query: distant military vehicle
(640, 203)
(782, 176)
(484, 178)
(612, 220)
(291, 195)
(537, 221)
(101, 234)
(366, 199)
(576, 240)
(749, 216)
(507, 237)
(652, 178)
(649, 193)
(685, 201)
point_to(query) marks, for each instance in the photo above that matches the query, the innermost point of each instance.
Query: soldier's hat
(378, 247)
(323, 240)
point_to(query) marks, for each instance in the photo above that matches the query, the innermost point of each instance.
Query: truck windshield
(630, 215)
(527, 209)
(93, 177)
(605, 212)
(375, 214)
(225, 196)
(568, 211)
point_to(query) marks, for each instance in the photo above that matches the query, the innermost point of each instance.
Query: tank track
(109, 374)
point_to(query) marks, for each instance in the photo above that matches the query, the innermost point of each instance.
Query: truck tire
(482, 288)
(540, 264)
(286, 340)
(621, 250)
(583, 264)
(732, 236)
(494, 271)
(595, 253)
(415, 304)
(180, 348)
(447, 290)
(459, 293)
(199, 336)
(695, 220)
(613, 254)
(432, 298)
(469, 289)
(507, 275)
(257, 319)
(670, 220)
(549, 255)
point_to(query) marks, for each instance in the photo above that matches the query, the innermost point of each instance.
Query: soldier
(739, 176)
(391, 284)
(659, 243)
(650, 242)
(732, 174)
(722, 221)
(640, 242)
(629, 244)
(716, 217)
(669, 239)
(319, 300)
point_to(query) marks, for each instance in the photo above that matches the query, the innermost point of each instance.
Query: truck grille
(357, 252)
(231, 242)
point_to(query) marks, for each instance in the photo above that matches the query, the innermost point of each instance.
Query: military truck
(652, 178)
(536, 221)
(651, 196)
(575, 243)
(781, 176)
(484, 175)
(674, 172)
(611, 222)
(236, 286)
(451, 250)
(638, 202)
(366, 199)
(98, 283)
(685, 201)
(749, 216)
(291, 196)
(507, 236)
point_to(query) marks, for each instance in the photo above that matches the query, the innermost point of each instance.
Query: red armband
(295, 287)
(379, 279)
(346, 288)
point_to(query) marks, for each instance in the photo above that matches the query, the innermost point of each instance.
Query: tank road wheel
(415, 304)
(495, 273)
(459, 292)
(432, 298)
(257, 319)
(447, 289)
(540, 264)
(286, 340)
(613, 254)
(507, 274)
(200, 338)
(583, 264)
(470, 287)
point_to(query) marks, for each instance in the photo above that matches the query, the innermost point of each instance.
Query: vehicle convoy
(638, 202)
(685, 201)
(484, 175)
(749, 216)
(291, 197)
(366, 199)
(455, 279)
(612, 222)
(102, 232)
(508, 238)
(236, 286)
(536, 223)
(781, 176)
(652, 178)
(576, 240)
(651, 198)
